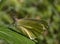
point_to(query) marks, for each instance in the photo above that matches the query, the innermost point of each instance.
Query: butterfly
(32, 28)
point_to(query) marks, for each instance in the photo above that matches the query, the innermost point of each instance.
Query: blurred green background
(48, 10)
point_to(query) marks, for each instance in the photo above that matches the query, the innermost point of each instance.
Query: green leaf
(11, 37)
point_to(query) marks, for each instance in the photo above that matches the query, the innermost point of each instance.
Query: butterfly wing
(31, 28)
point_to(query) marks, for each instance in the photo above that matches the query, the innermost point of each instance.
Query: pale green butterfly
(32, 28)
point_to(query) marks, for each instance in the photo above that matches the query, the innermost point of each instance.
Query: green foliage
(38, 20)
(11, 37)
